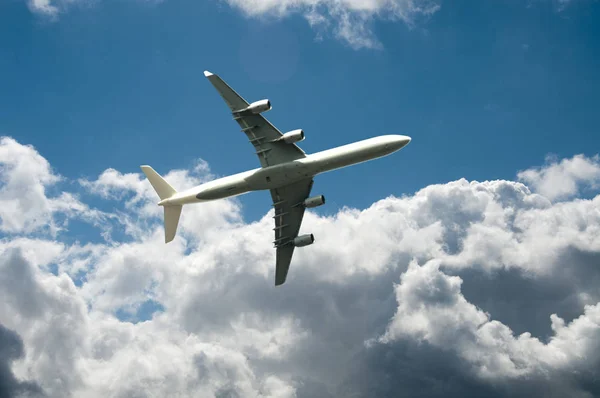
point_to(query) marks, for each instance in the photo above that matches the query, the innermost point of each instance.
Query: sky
(467, 264)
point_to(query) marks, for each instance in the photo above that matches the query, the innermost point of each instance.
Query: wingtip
(280, 281)
(207, 73)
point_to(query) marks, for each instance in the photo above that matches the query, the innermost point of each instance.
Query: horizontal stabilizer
(165, 191)
(162, 188)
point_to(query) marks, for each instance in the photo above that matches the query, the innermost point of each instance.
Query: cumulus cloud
(431, 307)
(25, 205)
(563, 179)
(466, 288)
(74, 351)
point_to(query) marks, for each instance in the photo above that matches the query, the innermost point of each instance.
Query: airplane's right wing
(288, 219)
(261, 133)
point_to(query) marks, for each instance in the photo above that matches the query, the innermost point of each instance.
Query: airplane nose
(392, 143)
(404, 140)
(400, 141)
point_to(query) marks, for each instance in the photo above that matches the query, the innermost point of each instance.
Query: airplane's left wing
(265, 137)
(288, 219)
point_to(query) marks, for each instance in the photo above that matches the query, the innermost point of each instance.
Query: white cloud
(226, 330)
(43, 6)
(72, 351)
(349, 19)
(561, 180)
(52, 8)
(24, 175)
(25, 207)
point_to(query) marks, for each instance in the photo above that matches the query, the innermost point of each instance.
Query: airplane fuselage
(287, 173)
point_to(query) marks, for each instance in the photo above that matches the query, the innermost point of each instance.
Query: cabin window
(268, 179)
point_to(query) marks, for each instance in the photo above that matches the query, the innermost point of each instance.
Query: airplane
(286, 171)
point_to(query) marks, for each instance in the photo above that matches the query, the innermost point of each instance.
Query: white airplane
(286, 170)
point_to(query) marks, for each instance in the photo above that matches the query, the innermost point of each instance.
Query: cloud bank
(460, 289)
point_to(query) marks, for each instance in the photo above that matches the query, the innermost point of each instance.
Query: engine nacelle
(303, 240)
(314, 201)
(259, 107)
(293, 136)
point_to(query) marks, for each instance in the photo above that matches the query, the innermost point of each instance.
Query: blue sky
(484, 88)
(466, 264)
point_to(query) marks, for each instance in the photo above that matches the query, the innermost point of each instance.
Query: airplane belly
(226, 189)
(279, 175)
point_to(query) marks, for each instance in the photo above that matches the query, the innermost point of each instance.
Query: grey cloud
(407, 369)
(11, 349)
(520, 301)
(50, 318)
(525, 302)
(338, 317)
(18, 285)
(488, 349)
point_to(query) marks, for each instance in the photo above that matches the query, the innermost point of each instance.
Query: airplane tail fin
(164, 190)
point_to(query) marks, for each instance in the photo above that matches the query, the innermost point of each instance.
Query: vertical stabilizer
(165, 191)
(172, 214)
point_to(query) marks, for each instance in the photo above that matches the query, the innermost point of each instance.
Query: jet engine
(293, 136)
(303, 240)
(259, 107)
(314, 201)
